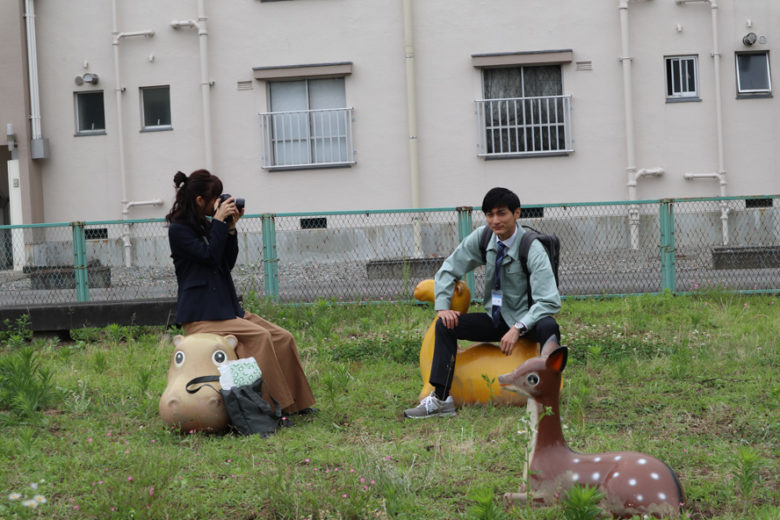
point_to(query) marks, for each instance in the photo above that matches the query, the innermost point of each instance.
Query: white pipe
(153, 202)
(118, 89)
(720, 175)
(205, 82)
(411, 104)
(32, 69)
(411, 116)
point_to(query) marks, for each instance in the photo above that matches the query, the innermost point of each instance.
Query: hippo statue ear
(231, 340)
(177, 339)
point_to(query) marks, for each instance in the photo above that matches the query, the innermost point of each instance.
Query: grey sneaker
(432, 406)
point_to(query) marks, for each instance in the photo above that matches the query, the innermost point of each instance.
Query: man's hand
(509, 340)
(449, 318)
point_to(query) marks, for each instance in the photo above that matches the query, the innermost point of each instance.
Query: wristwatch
(521, 328)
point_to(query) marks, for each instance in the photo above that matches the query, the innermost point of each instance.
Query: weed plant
(689, 379)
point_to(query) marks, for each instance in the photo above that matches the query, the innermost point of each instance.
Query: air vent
(244, 85)
(584, 65)
(314, 223)
(758, 203)
(96, 233)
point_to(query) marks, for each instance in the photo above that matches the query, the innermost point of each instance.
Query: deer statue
(633, 483)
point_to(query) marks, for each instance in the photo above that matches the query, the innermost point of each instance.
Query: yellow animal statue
(195, 356)
(475, 363)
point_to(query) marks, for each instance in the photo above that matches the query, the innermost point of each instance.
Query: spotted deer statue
(632, 483)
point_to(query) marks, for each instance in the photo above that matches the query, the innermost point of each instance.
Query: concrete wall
(80, 180)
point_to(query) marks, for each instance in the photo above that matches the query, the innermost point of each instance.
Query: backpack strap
(484, 240)
(525, 246)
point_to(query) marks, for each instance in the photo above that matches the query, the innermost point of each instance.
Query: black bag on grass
(247, 411)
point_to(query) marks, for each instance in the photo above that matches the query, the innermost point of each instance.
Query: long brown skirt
(275, 352)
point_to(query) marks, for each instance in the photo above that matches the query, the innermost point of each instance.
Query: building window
(524, 112)
(90, 114)
(753, 74)
(155, 108)
(308, 125)
(682, 78)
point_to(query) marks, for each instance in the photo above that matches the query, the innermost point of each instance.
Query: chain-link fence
(606, 248)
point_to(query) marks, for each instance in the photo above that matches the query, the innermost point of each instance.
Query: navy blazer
(203, 264)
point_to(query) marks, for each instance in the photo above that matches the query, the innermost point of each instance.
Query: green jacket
(514, 308)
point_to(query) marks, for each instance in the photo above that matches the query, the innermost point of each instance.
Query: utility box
(39, 148)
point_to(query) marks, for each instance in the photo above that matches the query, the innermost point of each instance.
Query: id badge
(496, 298)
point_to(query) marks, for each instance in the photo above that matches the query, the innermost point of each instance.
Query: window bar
(517, 127)
(330, 137)
(678, 78)
(508, 129)
(492, 130)
(557, 124)
(309, 137)
(533, 125)
(275, 160)
(549, 125)
(525, 127)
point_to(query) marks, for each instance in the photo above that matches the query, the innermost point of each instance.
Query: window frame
(539, 118)
(142, 106)
(77, 97)
(681, 95)
(311, 138)
(753, 93)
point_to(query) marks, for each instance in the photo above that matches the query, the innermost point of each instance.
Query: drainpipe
(632, 174)
(205, 83)
(126, 205)
(38, 146)
(719, 175)
(411, 117)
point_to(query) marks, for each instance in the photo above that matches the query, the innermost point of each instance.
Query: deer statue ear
(557, 359)
(458, 289)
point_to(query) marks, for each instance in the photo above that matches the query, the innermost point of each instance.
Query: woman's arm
(187, 243)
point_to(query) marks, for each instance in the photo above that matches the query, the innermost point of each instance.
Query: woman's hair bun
(179, 179)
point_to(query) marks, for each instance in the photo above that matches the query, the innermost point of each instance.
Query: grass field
(692, 380)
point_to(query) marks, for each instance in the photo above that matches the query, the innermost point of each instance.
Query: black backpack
(551, 244)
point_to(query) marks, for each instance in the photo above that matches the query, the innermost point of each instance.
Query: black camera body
(239, 203)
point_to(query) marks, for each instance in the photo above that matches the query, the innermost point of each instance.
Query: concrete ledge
(64, 317)
(394, 268)
(748, 257)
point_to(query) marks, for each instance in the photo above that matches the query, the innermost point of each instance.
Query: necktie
(496, 311)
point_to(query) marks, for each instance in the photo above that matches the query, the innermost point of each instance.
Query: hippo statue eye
(178, 358)
(219, 357)
(533, 379)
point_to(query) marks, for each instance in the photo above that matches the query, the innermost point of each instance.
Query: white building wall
(81, 178)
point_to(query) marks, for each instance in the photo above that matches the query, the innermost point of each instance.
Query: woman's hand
(226, 209)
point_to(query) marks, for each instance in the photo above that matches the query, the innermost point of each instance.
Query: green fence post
(270, 260)
(80, 261)
(465, 227)
(668, 270)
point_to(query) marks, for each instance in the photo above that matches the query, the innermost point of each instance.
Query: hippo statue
(194, 356)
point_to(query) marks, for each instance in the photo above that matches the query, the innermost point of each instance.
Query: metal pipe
(32, 70)
(720, 175)
(411, 116)
(205, 82)
(118, 89)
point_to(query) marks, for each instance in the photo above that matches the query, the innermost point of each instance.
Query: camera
(239, 203)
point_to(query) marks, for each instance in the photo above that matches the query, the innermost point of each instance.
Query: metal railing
(607, 248)
(515, 127)
(306, 138)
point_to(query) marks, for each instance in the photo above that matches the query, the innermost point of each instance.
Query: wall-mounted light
(10, 135)
(89, 78)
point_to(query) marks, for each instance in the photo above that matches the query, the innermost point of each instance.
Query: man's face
(502, 221)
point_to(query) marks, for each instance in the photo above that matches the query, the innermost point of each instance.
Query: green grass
(692, 380)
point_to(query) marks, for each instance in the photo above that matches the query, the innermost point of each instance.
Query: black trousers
(475, 326)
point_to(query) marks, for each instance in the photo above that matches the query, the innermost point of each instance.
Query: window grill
(305, 138)
(525, 126)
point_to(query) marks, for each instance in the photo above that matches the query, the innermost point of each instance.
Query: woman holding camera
(204, 252)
